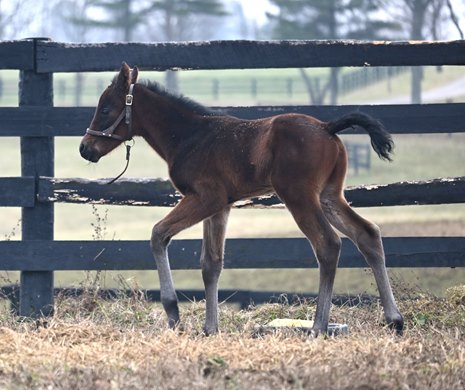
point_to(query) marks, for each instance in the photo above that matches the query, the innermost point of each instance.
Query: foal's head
(112, 120)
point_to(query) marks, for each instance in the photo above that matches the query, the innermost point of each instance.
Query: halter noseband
(126, 113)
(108, 132)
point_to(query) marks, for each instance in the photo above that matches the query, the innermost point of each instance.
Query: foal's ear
(124, 77)
(134, 74)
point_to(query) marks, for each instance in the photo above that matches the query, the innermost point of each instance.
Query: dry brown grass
(124, 344)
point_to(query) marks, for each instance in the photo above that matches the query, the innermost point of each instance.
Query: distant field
(234, 87)
(400, 85)
(211, 87)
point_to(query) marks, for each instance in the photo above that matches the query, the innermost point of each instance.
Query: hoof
(210, 332)
(315, 332)
(172, 312)
(174, 324)
(397, 325)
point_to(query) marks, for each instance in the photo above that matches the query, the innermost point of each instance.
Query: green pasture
(234, 87)
(433, 77)
(416, 157)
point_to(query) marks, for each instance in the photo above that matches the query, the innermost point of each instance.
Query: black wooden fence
(37, 122)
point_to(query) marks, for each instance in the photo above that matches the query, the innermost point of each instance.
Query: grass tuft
(456, 295)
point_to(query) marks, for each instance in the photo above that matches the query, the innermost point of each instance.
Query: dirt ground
(125, 345)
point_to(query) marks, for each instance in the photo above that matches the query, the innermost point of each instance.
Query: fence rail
(63, 57)
(246, 253)
(26, 191)
(245, 298)
(45, 56)
(37, 122)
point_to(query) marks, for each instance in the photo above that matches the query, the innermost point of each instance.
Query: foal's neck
(166, 120)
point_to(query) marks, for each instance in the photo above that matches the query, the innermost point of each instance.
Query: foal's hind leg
(306, 210)
(211, 260)
(367, 238)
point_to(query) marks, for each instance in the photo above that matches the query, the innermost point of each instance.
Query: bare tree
(422, 20)
(12, 18)
(327, 19)
(122, 16)
(175, 20)
(68, 11)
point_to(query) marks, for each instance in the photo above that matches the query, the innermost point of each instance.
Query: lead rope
(128, 156)
(128, 120)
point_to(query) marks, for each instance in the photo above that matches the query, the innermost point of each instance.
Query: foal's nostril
(85, 152)
(88, 153)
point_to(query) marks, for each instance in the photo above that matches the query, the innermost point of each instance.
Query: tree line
(178, 20)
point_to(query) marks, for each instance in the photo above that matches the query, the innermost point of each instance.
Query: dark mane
(180, 99)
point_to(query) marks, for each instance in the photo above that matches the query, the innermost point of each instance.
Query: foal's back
(245, 158)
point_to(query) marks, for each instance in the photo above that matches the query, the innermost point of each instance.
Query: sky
(256, 10)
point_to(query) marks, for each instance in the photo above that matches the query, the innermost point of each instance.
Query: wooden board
(17, 191)
(21, 192)
(43, 255)
(159, 192)
(64, 57)
(398, 119)
(244, 298)
(17, 55)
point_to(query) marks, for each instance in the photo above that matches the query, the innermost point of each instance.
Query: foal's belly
(247, 193)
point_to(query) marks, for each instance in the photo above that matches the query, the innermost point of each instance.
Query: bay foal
(215, 160)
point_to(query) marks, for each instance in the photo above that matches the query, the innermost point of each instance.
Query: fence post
(215, 89)
(37, 159)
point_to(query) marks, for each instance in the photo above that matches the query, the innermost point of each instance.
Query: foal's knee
(211, 269)
(329, 249)
(159, 239)
(369, 242)
(372, 231)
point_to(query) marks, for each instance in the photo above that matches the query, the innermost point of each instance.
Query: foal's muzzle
(88, 153)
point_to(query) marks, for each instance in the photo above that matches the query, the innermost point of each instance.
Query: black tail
(381, 140)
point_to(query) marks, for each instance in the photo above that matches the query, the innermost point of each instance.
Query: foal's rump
(308, 154)
(305, 127)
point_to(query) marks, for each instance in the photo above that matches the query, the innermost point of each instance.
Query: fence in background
(37, 122)
(214, 88)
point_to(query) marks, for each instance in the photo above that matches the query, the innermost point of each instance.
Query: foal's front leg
(189, 211)
(159, 243)
(211, 260)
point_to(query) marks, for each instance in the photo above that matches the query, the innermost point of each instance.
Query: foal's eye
(105, 110)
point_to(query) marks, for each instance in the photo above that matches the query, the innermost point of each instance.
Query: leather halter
(108, 132)
(126, 113)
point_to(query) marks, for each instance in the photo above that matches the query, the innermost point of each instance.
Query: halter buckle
(129, 99)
